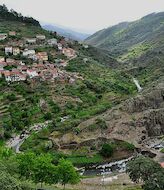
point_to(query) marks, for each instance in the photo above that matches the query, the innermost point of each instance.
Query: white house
(3, 36)
(40, 37)
(31, 40)
(17, 76)
(60, 47)
(8, 50)
(85, 46)
(33, 57)
(12, 33)
(27, 52)
(2, 59)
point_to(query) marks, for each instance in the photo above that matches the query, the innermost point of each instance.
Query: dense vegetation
(100, 90)
(20, 172)
(148, 171)
(12, 15)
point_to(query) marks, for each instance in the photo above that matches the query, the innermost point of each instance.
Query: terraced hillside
(100, 106)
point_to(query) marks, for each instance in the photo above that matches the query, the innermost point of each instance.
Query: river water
(106, 169)
(137, 85)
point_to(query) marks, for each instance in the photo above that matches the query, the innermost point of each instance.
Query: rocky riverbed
(106, 169)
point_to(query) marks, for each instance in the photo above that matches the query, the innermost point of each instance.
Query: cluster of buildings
(15, 70)
(27, 46)
(39, 71)
(3, 36)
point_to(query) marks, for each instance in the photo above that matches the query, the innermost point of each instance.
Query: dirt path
(117, 182)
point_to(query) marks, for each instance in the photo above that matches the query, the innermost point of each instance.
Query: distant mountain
(130, 40)
(66, 32)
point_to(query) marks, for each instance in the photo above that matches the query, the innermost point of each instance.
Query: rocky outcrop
(135, 120)
(154, 122)
(150, 108)
(151, 100)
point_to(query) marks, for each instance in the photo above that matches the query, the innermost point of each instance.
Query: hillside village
(97, 112)
(13, 67)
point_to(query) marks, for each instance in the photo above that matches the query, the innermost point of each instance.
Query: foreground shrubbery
(147, 171)
(16, 169)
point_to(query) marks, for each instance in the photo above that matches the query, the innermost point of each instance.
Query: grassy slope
(138, 45)
(141, 35)
(23, 29)
(101, 89)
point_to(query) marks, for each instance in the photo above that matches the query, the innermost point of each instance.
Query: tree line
(29, 167)
(12, 15)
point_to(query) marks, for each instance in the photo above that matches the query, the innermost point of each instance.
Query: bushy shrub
(107, 150)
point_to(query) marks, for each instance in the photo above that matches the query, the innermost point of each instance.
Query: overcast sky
(86, 15)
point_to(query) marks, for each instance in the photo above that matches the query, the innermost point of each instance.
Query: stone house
(12, 33)
(16, 51)
(32, 73)
(69, 52)
(42, 56)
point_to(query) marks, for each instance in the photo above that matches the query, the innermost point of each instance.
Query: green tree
(44, 171)
(147, 171)
(67, 173)
(48, 116)
(38, 168)
(5, 152)
(107, 150)
(26, 164)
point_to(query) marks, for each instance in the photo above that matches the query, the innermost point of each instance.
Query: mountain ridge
(66, 32)
(120, 39)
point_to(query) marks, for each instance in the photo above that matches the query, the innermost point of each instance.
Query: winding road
(16, 142)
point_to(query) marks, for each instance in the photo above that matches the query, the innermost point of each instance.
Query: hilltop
(12, 15)
(66, 32)
(131, 40)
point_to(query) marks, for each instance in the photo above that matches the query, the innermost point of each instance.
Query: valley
(87, 107)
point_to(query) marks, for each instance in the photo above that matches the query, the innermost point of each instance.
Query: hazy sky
(87, 15)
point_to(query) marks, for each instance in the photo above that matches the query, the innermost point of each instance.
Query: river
(105, 169)
(136, 82)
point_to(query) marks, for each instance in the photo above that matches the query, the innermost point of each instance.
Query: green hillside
(23, 30)
(86, 105)
(130, 40)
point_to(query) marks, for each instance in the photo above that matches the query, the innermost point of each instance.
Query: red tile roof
(162, 164)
